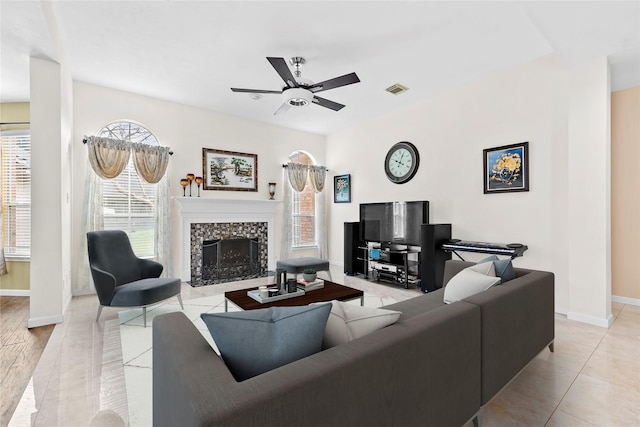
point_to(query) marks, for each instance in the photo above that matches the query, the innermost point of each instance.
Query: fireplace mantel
(192, 210)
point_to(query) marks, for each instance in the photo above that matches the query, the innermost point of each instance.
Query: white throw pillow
(348, 321)
(470, 281)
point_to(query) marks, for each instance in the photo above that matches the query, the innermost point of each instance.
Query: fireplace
(201, 218)
(230, 259)
(226, 252)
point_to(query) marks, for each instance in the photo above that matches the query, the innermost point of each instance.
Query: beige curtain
(150, 161)
(297, 173)
(108, 157)
(318, 175)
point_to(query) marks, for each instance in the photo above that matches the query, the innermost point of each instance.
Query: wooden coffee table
(330, 292)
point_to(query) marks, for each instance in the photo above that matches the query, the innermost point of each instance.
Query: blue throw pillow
(256, 341)
(504, 267)
(487, 259)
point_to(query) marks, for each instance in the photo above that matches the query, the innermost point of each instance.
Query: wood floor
(20, 350)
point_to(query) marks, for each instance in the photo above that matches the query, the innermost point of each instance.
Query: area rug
(137, 344)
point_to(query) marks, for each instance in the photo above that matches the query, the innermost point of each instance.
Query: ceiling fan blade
(328, 104)
(235, 89)
(283, 109)
(283, 70)
(347, 79)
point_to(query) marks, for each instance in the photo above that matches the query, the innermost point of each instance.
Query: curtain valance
(298, 173)
(108, 158)
(317, 175)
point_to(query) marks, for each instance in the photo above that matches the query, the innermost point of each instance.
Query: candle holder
(199, 181)
(272, 190)
(190, 178)
(184, 182)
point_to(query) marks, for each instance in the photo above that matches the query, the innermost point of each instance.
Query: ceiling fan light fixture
(298, 97)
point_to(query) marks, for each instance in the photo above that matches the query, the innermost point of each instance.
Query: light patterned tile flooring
(84, 372)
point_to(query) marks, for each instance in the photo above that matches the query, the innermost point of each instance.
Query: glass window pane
(129, 201)
(15, 178)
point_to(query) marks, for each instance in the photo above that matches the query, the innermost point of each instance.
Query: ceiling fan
(301, 92)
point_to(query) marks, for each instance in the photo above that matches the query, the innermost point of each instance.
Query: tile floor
(593, 378)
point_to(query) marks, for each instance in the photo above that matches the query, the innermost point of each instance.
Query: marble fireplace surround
(194, 210)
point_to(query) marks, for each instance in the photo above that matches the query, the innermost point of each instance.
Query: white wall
(526, 103)
(51, 107)
(590, 194)
(530, 102)
(186, 130)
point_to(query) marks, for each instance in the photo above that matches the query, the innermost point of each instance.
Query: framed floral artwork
(506, 168)
(342, 189)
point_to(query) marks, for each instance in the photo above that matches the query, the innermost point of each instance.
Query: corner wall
(625, 194)
(589, 196)
(525, 103)
(50, 133)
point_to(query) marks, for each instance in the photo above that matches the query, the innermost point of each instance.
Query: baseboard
(562, 310)
(83, 293)
(43, 321)
(625, 300)
(592, 320)
(15, 292)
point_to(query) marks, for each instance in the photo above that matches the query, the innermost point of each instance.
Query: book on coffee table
(310, 286)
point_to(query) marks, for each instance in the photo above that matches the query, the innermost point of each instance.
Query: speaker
(432, 256)
(353, 265)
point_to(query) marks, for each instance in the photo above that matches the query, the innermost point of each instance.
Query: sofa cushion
(418, 305)
(504, 267)
(256, 341)
(470, 281)
(348, 321)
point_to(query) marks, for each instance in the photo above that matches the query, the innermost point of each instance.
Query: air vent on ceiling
(397, 89)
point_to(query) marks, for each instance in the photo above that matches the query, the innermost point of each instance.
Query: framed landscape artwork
(506, 168)
(342, 189)
(228, 170)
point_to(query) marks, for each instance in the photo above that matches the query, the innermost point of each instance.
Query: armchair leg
(180, 300)
(144, 315)
(99, 312)
(551, 348)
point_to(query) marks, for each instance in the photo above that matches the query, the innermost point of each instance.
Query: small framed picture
(228, 170)
(342, 189)
(506, 168)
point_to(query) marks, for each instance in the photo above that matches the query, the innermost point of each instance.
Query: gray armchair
(122, 279)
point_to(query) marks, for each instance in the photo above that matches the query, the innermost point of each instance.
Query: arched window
(303, 208)
(128, 201)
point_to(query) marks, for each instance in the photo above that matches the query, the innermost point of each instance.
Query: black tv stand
(399, 264)
(422, 265)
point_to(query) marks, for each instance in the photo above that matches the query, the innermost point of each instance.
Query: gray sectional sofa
(437, 366)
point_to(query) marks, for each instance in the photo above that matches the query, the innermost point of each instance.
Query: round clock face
(402, 162)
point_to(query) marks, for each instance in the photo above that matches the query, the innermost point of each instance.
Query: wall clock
(402, 162)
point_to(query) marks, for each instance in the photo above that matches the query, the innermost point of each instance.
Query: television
(393, 222)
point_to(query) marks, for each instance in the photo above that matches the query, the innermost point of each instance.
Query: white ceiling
(192, 52)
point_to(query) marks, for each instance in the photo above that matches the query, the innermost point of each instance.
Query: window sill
(304, 248)
(17, 258)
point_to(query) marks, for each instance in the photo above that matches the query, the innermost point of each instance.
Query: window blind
(128, 203)
(15, 163)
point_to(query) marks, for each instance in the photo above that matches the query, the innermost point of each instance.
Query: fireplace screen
(224, 260)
